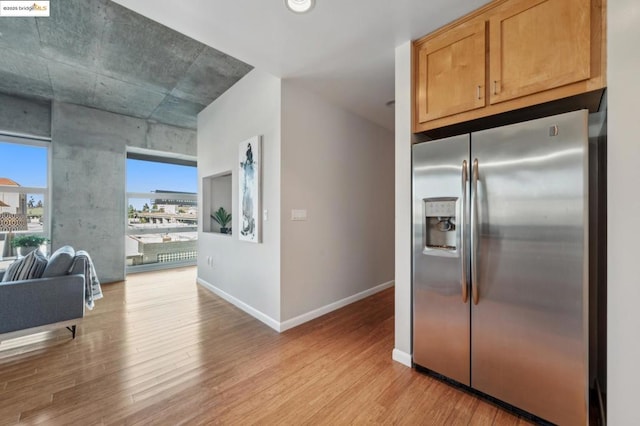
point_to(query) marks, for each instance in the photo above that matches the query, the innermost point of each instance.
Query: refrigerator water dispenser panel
(440, 233)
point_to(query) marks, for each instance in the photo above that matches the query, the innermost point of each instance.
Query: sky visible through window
(24, 164)
(149, 176)
(27, 165)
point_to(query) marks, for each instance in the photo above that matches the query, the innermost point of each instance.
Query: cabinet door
(537, 45)
(450, 74)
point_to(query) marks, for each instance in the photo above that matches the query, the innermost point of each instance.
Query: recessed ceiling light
(300, 6)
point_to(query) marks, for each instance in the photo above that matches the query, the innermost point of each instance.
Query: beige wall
(623, 206)
(402, 349)
(248, 274)
(339, 168)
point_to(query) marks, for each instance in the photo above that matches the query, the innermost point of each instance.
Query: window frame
(157, 157)
(29, 190)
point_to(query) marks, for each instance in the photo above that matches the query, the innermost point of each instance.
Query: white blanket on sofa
(92, 289)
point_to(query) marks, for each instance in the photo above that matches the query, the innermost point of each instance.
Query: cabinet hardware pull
(479, 92)
(495, 87)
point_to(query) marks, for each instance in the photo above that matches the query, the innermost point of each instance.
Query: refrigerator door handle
(474, 233)
(463, 227)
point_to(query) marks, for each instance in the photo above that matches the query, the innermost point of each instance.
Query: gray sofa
(39, 304)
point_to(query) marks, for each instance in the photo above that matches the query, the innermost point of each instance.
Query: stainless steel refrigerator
(501, 263)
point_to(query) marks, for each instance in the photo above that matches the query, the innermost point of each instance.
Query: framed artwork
(249, 197)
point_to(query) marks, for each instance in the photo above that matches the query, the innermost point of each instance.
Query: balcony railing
(161, 235)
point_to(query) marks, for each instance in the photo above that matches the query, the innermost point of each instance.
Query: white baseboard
(240, 304)
(402, 357)
(300, 319)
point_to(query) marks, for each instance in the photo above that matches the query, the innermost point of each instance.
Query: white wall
(331, 162)
(623, 204)
(247, 273)
(339, 167)
(402, 350)
(12, 200)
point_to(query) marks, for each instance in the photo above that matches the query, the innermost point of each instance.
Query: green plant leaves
(222, 217)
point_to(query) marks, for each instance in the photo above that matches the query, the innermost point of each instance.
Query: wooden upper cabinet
(451, 72)
(508, 55)
(538, 45)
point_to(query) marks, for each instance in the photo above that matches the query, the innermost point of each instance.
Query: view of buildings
(17, 216)
(163, 230)
(11, 202)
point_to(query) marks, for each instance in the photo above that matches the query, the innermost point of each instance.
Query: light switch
(299, 214)
(265, 215)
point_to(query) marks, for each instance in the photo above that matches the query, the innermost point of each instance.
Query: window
(24, 192)
(162, 219)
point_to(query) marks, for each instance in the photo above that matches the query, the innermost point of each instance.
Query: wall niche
(216, 190)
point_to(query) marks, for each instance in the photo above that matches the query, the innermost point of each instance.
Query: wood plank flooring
(159, 349)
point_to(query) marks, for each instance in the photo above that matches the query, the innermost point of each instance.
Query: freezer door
(530, 324)
(440, 290)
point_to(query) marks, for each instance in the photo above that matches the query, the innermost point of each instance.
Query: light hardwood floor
(159, 349)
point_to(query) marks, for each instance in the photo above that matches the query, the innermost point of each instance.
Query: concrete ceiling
(100, 54)
(343, 50)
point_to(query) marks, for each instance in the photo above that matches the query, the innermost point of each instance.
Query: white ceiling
(343, 50)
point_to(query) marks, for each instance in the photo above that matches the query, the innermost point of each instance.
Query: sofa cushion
(29, 267)
(11, 270)
(60, 262)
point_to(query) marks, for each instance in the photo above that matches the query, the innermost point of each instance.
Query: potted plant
(222, 217)
(27, 243)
